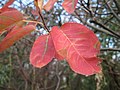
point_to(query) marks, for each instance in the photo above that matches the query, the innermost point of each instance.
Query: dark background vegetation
(101, 16)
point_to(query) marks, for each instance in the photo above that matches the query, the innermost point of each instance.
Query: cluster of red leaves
(72, 42)
(68, 5)
(11, 21)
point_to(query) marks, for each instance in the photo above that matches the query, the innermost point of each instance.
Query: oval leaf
(9, 18)
(8, 3)
(77, 43)
(69, 5)
(42, 51)
(5, 7)
(77, 35)
(84, 66)
(49, 5)
(15, 35)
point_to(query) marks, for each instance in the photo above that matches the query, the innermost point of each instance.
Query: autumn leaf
(69, 5)
(8, 3)
(9, 18)
(6, 8)
(77, 44)
(15, 35)
(84, 66)
(42, 51)
(77, 35)
(39, 4)
(49, 5)
(82, 38)
(58, 57)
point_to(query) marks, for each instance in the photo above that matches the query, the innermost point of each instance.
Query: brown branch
(117, 5)
(6, 88)
(110, 49)
(45, 26)
(88, 4)
(93, 26)
(25, 76)
(117, 74)
(115, 15)
(111, 70)
(108, 20)
(101, 25)
(115, 79)
(57, 74)
(90, 12)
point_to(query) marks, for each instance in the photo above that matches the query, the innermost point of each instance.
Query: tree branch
(95, 22)
(117, 17)
(45, 26)
(110, 49)
(94, 27)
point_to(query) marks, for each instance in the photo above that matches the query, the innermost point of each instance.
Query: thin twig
(94, 27)
(117, 5)
(36, 22)
(117, 17)
(110, 49)
(45, 26)
(58, 77)
(90, 12)
(101, 25)
(25, 76)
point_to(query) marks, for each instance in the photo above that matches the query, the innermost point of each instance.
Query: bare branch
(101, 25)
(110, 49)
(94, 27)
(115, 15)
(45, 26)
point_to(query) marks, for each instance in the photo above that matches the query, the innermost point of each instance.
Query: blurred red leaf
(15, 35)
(5, 7)
(69, 5)
(49, 5)
(8, 3)
(42, 51)
(39, 4)
(78, 45)
(9, 18)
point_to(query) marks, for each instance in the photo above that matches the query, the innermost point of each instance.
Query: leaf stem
(33, 22)
(43, 21)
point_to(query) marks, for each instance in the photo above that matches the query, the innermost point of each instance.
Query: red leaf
(15, 35)
(5, 7)
(69, 5)
(84, 39)
(42, 51)
(77, 43)
(9, 18)
(84, 66)
(58, 57)
(8, 3)
(49, 4)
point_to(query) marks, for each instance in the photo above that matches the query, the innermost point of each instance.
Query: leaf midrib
(72, 44)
